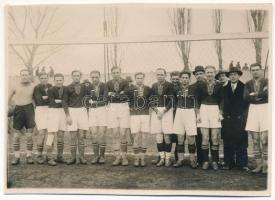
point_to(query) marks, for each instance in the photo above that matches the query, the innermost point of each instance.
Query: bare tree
(181, 25)
(217, 21)
(36, 23)
(255, 22)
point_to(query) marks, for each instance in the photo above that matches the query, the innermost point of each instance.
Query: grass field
(150, 177)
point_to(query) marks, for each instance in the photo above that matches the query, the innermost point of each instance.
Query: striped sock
(205, 152)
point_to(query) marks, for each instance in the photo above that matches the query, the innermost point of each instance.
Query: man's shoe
(82, 161)
(142, 162)
(215, 165)
(40, 159)
(101, 160)
(225, 167)
(117, 161)
(178, 164)
(71, 161)
(51, 162)
(193, 164)
(95, 160)
(15, 161)
(205, 165)
(124, 161)
(161, 162)
(29, 160)
(156, 160)
(60, 159)
(136, 162)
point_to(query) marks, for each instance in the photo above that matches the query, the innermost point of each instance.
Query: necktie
(160, 89)
(60, 92)
(97, 91)
(256, 86)
(210, 88)
(140, 91)
(116, 86)
(77, 89)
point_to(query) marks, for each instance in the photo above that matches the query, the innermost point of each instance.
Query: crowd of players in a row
(217, 103)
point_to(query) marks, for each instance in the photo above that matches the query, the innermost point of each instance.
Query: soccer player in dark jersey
(140, 119)
(210, 116)
(76, 116)
(256, 94)
(56, 120)
(161, 102)
(98, 116)
(118, 114)
(41, 100)
(185, 118)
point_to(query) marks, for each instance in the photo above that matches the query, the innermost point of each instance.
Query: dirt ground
(150, 177)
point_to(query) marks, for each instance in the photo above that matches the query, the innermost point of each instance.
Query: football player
(118, 114)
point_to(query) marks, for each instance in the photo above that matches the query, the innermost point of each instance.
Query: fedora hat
(234, 69)
(198, 68)
(219, 73)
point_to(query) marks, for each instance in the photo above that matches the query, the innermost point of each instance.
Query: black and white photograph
(138, 99)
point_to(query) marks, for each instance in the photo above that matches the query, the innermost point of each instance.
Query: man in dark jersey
(140, 119)
(118, 114)
(210, 116)
(56, 122)
(41, 99)
(98, 116)
(161, 102)
(76, 116)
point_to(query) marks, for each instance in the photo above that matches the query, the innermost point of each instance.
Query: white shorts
(185, 122)
(79, 119)
(140, 123)
(41, 117)
(163, 125)
(98, 116)
(56, 120)
(257, 119)
(118, 115)
(209, 116)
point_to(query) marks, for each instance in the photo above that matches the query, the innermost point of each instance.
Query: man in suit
(256, 94)
(235, 138)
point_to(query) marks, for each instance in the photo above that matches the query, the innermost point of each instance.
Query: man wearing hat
(199, 74)
(235, 138)
(221, 77)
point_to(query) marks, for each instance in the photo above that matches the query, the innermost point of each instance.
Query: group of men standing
(216, 104)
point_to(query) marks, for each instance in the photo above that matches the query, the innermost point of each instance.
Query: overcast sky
(86, 22)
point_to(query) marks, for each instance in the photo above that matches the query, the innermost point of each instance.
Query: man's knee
(191, 139)
(159, 137)
(180, 139)
(167, 138)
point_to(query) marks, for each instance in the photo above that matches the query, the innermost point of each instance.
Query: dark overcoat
(235, 114)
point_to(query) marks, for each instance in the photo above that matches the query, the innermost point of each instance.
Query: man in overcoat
(234, 108)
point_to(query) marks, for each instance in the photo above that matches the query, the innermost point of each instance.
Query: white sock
(17, 154)
(168, 155)
(29, 153)
(162, 154)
